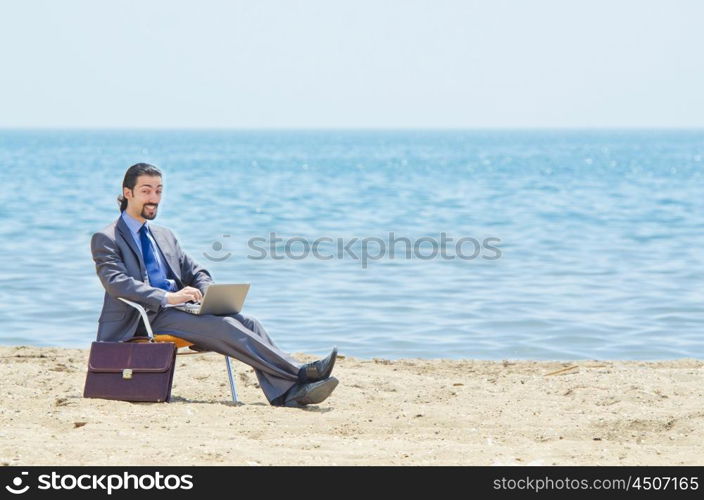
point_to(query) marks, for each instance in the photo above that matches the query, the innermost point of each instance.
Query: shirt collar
(132, 223)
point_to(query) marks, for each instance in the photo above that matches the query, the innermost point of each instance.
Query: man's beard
(149, 215)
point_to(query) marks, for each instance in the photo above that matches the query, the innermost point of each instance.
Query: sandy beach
(402, 412)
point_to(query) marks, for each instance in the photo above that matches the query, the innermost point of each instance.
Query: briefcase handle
(143, 313)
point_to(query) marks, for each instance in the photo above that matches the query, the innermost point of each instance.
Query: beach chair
(180, 343)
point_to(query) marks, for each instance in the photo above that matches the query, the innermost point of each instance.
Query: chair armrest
(143, 313)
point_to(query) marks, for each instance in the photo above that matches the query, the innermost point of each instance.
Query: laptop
(218, 299)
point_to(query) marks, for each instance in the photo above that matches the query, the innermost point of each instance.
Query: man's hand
(186, 294)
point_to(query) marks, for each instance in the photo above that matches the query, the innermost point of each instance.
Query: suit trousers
(236, 335)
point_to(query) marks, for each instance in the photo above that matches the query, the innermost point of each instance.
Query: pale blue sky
(319, 64)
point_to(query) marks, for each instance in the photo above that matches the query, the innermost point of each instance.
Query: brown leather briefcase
(130, 371)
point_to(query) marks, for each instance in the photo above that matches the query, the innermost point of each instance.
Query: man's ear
(126, 192)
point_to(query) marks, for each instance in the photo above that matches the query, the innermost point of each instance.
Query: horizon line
(351, 129)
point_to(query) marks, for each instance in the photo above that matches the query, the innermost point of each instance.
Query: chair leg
(233, 390)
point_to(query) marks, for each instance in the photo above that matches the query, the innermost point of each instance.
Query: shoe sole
(328, 372)
(318, 394)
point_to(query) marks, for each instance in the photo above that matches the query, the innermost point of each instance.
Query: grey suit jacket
(120, 267)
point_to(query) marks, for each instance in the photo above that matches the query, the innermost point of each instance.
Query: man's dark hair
(130, 180)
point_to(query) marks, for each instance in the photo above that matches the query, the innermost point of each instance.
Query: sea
(481, 244)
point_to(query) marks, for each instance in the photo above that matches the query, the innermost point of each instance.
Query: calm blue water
(601, 236)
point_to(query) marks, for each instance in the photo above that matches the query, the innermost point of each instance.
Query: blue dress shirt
(134, 226)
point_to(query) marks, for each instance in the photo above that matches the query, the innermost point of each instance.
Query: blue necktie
(157, 276)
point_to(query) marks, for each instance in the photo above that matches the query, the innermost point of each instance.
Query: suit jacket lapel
(127, 236)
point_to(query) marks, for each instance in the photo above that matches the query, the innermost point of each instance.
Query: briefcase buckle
(127, 373)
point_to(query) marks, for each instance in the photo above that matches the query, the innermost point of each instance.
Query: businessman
(144, 263)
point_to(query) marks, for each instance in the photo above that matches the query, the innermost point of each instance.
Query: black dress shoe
(311, 393)
(318, 370)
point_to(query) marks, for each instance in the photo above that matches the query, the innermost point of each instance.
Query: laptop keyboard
(190, 308)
